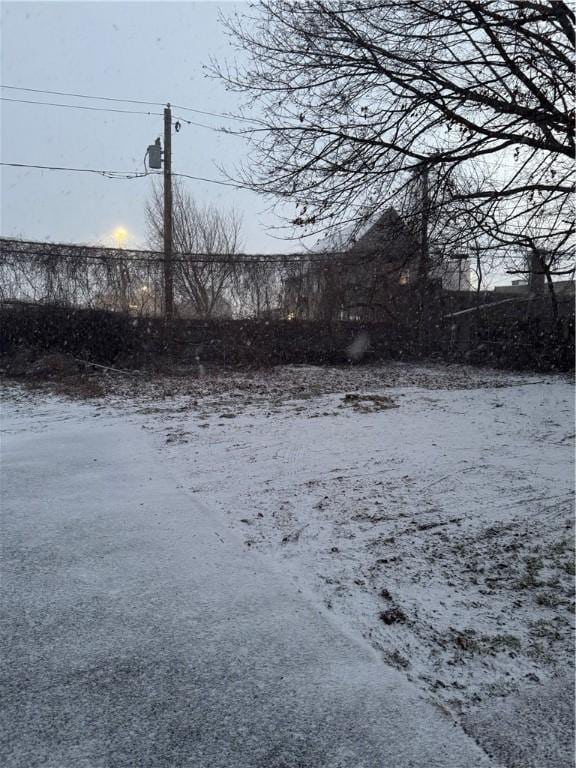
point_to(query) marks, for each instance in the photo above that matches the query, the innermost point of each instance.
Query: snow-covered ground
(430, 509)
(139, 631)
(437, 521)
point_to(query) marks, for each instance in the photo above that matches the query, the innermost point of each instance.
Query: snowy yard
(428, 509)
(435, 517)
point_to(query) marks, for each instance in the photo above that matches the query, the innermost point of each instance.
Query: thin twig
(105, 367)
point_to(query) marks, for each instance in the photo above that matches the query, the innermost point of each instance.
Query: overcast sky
(151, 51)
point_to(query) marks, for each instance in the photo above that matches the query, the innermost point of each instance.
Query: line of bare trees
(212, 279)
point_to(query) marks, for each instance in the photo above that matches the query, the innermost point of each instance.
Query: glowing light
(119, 235)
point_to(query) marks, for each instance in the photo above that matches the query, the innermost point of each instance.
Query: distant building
(561, 287)
(359, 285)
(390, 240)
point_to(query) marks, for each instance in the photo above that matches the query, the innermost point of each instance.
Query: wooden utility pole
(168, 266)
(424, 263)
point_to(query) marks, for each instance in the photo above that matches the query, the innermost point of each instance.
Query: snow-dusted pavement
(141, 631)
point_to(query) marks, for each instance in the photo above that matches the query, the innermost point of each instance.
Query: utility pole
(168, 266)
(423, 266)
(424, 263)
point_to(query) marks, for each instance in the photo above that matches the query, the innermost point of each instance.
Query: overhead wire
(80, 106)
(240, 118)
(101, 172)
(81, 96)
(175, 118)
(72, 94)
(125, 175)
(120, 175)
(210, 181)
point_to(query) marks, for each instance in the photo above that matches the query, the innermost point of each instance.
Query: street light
(120, 235)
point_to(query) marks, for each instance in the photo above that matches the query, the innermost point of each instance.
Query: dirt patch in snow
(197, 387)
(369, 403)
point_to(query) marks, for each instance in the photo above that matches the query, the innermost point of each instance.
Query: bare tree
(203, 238)
(350, 98)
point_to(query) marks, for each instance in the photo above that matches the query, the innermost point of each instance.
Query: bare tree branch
(351, 97)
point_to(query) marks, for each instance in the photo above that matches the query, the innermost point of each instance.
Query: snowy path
(141, 633)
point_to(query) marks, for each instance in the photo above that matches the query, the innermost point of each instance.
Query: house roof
(387, 236)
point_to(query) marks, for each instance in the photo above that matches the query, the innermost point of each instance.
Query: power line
(120, 174)
(211, 181)
(214, 114)
(126, 101)
(113, 109)
(79, 106)
(176, 118)
(108, 174)
(82, 96)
